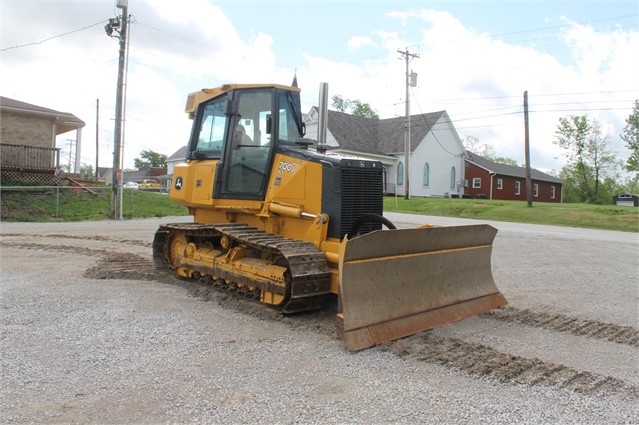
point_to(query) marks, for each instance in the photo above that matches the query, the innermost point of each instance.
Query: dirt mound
(119, 265)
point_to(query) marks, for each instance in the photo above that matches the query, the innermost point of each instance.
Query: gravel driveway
(91, 333)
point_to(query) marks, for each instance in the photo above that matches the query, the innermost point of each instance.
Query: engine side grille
(361, 193)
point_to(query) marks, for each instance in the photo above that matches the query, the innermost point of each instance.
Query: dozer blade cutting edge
(395, 283)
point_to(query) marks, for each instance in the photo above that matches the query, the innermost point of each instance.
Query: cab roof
(195, 98)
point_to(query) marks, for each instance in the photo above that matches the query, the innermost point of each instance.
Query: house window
(400, 174)
(476, 182)
(452, 177)
(517, 188)
(500, 183)
(552, 192)
(426, 174)
(535, 190)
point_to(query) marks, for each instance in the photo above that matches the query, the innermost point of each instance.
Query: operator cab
(239, 127)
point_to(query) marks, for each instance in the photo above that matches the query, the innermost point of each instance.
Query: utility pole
(410, 80)
(527, 148)
(97, 144)
(119, 25)
(125, 86)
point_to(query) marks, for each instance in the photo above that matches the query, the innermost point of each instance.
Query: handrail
(29, 158)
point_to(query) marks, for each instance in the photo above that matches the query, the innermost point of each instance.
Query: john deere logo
(178, 183)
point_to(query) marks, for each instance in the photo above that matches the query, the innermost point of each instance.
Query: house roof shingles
(179, 155)
(509, 170)
(65, 120)
(385, 136)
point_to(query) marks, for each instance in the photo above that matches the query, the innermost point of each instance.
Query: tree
(631, 137)
(486, 151)
(631, 185)
(355, 107)
(361, 109)
(149, 159)
(504, 160)
(589, 160)
(573, 190)
(472, 144)
(86, 171)
(340, 104)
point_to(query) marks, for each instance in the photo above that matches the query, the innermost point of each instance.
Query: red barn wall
(507, 192)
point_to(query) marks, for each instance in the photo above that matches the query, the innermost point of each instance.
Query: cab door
(249, 146)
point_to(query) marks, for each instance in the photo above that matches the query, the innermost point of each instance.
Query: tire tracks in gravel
(99, 238)
(561, 323)
(483, 361)
(472, 358)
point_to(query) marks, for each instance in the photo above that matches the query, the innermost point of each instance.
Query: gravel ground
(90, 333)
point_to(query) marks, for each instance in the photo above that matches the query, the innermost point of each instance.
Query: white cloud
(358, 42)
(480, 82)
(478, 79)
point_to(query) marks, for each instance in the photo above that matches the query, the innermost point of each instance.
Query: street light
(114, 24)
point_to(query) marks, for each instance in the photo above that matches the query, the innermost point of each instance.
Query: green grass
(608, 217)
(42, 205)
(39, 204)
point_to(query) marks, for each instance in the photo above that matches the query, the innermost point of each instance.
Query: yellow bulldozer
(284, 219)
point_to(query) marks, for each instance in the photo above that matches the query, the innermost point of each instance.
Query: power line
(303, 48)
(51, 38)
(430, 129)
(467, 99)
(176, 36)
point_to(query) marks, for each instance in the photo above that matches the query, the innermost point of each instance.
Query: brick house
(28, 140)
(491, 180)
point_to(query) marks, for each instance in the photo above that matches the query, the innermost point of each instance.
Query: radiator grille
(362, 191)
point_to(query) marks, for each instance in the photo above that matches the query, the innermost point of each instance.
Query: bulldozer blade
(395, 283)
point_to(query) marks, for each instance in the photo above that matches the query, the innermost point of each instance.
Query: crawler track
(308, 275)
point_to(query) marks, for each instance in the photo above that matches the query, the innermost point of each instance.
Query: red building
(491, 180)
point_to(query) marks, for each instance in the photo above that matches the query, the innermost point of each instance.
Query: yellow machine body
(296, 226)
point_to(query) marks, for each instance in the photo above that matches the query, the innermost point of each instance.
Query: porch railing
(29, 158)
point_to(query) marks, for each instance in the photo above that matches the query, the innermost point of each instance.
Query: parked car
(131, 185)
(149, 184)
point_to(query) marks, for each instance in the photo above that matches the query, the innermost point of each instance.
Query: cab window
(250, 145)
(289, 130)
(211, 133)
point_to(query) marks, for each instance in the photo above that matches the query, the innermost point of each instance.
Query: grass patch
(608, 217)
(43, 204)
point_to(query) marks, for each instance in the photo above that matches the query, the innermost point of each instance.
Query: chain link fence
(67, 203)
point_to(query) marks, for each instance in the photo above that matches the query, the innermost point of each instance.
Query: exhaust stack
(323, 116)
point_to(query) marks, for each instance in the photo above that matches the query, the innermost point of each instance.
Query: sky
(474, 59)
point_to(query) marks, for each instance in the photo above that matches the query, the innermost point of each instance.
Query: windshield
(211, 134)
(289, 128)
